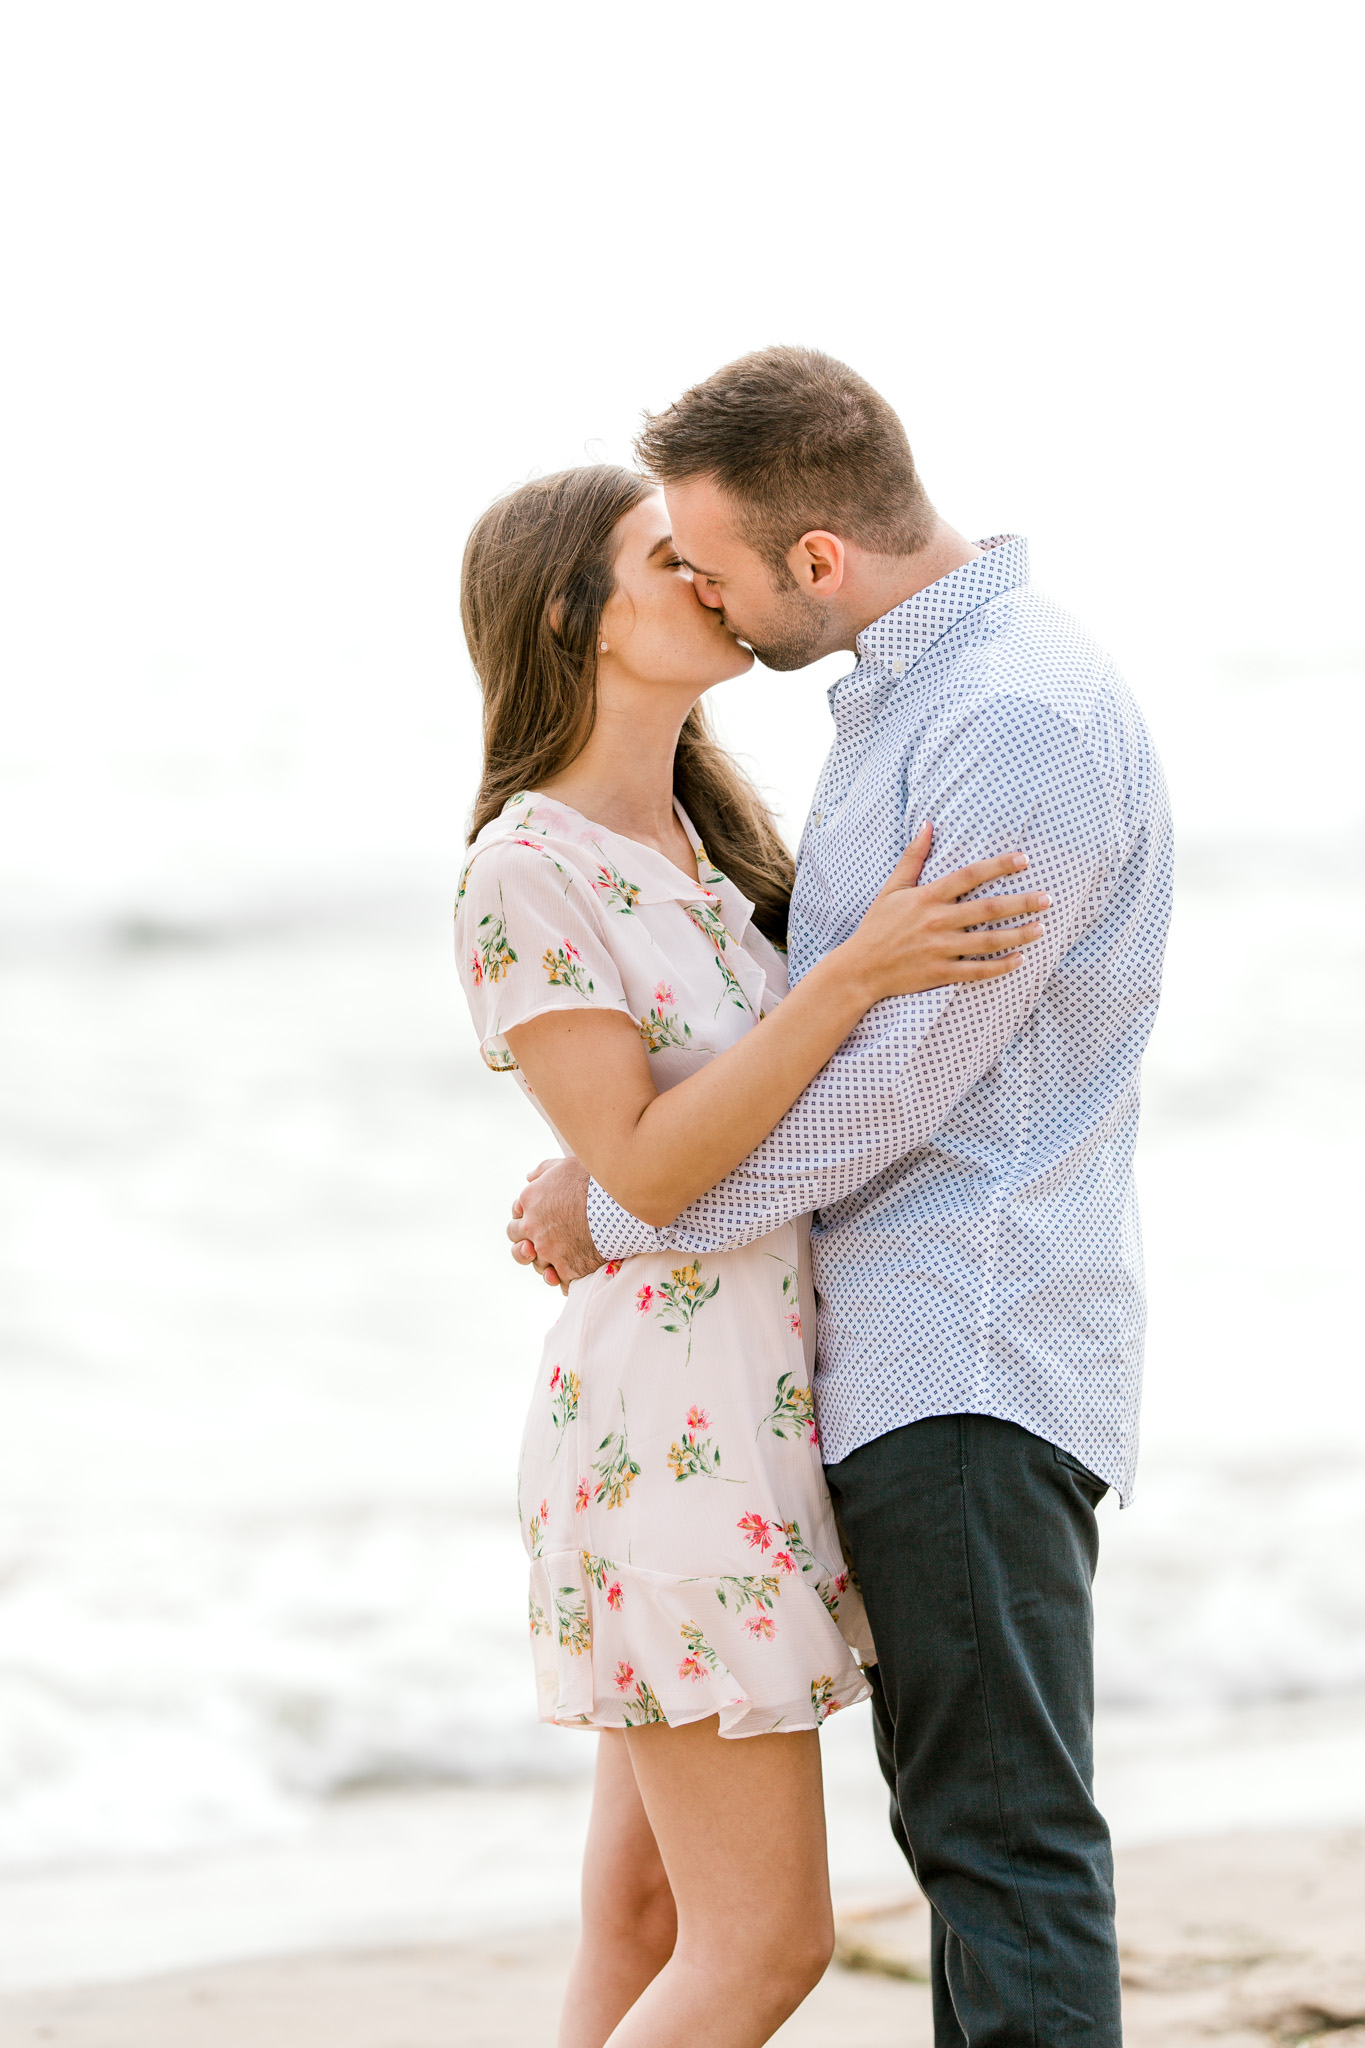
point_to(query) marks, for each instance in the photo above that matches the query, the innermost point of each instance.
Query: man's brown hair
(798, 442)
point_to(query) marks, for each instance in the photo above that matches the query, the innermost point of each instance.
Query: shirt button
(817, 818)
(898, 667)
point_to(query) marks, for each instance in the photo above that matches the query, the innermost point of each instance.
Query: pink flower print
(644, 1298)
(544, 1512)
(691, 1667)
(624, 1673)
(572, 951)
(555, 1378)
(762, 1626)
(814, 1437)
(613, 1267)
(476, 969)
(784, 1561)
(614, 1595)
(697, 1418)
(839, 1585)
(582, 1497)
(794, 1325)
(758, 1532)
(664, 996)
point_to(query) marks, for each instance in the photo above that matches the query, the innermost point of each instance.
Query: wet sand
(1242, 1940)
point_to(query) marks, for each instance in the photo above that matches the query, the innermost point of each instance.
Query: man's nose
(706, 595)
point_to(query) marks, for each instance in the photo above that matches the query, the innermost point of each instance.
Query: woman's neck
(623, 779)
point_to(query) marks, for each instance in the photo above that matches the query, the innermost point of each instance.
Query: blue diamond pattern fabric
(969, 1151)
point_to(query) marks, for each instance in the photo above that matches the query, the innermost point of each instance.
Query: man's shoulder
(1033, 668)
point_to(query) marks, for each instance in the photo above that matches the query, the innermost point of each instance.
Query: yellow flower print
(683, 1296)
(617, 1472)
(575, 1628)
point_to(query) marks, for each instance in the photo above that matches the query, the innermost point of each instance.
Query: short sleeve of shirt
(528, 940)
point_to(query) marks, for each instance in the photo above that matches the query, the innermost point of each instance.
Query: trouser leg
(975, 1545)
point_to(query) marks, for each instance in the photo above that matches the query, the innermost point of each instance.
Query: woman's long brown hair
(539, 568)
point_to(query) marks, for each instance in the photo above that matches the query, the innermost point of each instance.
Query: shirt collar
(896, 641)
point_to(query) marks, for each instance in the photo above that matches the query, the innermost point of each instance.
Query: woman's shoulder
(529, 845)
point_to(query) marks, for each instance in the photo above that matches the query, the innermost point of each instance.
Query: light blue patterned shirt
(969, 1151)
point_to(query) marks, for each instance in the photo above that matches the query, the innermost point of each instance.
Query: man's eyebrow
(709, 574)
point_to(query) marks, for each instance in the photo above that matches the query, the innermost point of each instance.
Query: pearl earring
(603, 645)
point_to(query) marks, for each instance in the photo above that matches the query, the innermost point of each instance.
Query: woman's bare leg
(629, 1925)
(740, 1826)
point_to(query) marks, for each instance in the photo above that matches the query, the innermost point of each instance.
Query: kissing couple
(845, 1221)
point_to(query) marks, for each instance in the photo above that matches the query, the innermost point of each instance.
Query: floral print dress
(684, 1558)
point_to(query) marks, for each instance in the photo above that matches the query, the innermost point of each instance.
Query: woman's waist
(780, 1243)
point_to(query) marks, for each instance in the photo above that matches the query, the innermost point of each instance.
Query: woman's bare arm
(655, 1153)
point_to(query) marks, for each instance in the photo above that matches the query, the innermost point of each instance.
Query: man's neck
(875, 584)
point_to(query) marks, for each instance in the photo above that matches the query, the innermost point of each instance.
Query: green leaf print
(565, 1388)
(536, 1528)
(643, 1706)
(696, 1457)
(500, 1062)
(613, 886)
(659, 1031)
(732, 992)
(700, 1657)
(575, 1629)
(736, 1593)
(683, 1296)
(602, 1572)
(791, 1292)
(822, 1698)
(708, 874)
(617, 1471)
(536, 1616)
(829, 1589)
(493, 954)
(564, 969)
(709, 923)
(793, 1411)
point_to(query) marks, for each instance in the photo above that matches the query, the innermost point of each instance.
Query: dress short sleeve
(527, 940)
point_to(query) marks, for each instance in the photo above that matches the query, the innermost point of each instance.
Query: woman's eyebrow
(659, 546)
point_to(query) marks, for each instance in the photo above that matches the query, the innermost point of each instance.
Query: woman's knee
(786, 1954)
(637, 1909)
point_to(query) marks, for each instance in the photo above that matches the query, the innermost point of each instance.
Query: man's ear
(817, 562)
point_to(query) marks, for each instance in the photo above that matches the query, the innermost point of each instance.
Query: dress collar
(622, 864)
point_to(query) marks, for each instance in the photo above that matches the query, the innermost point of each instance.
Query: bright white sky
(294, 289)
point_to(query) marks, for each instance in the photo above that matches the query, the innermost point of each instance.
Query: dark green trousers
(975, 1544)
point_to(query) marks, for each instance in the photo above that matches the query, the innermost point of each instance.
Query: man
(968, 1151)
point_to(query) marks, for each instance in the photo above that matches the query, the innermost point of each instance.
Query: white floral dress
(684, 1558)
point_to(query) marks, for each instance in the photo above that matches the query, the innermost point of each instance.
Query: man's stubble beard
(792, 637)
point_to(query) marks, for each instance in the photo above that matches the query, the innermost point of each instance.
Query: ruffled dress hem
(616, 1647)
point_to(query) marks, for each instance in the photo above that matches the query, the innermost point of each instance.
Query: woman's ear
(556, 616)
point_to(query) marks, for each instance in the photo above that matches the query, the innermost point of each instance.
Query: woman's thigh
(740, 1828)
(623, 1873)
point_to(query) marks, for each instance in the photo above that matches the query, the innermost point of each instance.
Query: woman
(618, 933)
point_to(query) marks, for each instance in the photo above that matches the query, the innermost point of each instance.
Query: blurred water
(264, 1357)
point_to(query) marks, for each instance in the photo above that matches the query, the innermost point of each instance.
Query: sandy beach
(1242, 1940)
